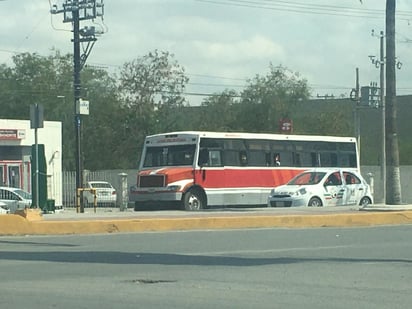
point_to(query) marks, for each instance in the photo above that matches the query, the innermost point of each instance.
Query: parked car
(322, 187)
(4, 209)
(105, 194)
(15, 198)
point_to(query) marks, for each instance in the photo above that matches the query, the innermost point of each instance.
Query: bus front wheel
(194, 200)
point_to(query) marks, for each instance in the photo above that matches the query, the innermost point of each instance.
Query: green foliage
(100, 134)
(323, 124)
(217, 112)
(151, 90)
(270, 98)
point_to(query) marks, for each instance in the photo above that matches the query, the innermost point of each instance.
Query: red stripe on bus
(227, 177)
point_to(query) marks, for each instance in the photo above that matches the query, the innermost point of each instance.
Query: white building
(16, 140)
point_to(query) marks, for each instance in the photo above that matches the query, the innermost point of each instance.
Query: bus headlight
(173, 188)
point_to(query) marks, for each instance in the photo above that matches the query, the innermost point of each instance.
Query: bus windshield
(178, 155)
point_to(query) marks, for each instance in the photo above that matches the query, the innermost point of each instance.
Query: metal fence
(111, 176)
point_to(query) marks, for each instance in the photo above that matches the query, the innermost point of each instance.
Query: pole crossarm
(87, 9)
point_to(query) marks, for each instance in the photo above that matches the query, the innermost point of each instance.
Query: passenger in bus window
(243, 158)
(276, 159)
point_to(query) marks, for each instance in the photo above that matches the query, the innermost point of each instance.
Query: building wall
(51, 136)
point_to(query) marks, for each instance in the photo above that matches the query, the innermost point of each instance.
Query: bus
(195, 170)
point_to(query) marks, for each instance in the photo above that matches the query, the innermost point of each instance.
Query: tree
(101, 138)
(217, 112)
(268, 98)
(43, 80)
(35, 79)
(48, 81)
(151, 91)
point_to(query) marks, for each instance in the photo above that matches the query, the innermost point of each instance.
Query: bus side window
(353, 161)
(215, 158)
(268, 159)
(296, 159)
(315, 159)
(243, 158)
(203, 157)
(276, 159)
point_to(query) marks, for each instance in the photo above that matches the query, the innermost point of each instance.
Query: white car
(105, 194)
(322, 187)
(4, 209)
(15, 198)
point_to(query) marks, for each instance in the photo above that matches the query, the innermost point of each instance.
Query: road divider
(32, 223)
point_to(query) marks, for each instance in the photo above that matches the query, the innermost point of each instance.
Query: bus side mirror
(203, 156)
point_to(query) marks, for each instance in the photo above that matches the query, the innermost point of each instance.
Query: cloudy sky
(222, 43)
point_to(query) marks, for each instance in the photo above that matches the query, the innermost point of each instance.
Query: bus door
(209, 160)
(210, 176)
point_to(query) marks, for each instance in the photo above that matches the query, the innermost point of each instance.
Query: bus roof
(243, 135)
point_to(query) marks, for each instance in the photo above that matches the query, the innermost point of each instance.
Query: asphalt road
(255, 268)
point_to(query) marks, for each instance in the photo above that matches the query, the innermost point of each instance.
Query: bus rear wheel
(194, 200)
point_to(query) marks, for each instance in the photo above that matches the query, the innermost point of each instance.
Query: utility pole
(77, 117)
(381, 65)
(383, 112)
(355, 97)
(392, 150)
(382, 99)
(75, 11)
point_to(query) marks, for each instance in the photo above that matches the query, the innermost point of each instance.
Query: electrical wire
(298, 7)
(51, 21)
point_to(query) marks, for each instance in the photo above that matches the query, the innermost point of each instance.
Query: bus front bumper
(163, 196)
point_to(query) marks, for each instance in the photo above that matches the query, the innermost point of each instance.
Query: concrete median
(32, 222)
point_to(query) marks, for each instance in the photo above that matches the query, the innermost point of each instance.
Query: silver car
(15, 198)
(4, 209)
(105, 194)
(322, 187)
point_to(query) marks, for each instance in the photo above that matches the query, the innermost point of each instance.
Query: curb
(30, 225)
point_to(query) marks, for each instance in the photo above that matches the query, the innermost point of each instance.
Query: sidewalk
(383, 207)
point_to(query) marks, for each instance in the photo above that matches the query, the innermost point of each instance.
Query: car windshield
(308, 178)
(23, 194)
(100, 185)
(169, 156)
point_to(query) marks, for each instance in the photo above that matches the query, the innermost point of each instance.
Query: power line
(297, 7)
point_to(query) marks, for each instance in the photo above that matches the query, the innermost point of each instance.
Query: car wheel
(194, 200)
(315, 202)
(365, 201)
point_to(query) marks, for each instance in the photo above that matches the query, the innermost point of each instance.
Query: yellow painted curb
(30, 214)
(17, 225)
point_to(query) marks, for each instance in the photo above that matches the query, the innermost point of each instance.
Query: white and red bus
(196, 170)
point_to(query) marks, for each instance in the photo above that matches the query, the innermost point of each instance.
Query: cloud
(245, 50)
